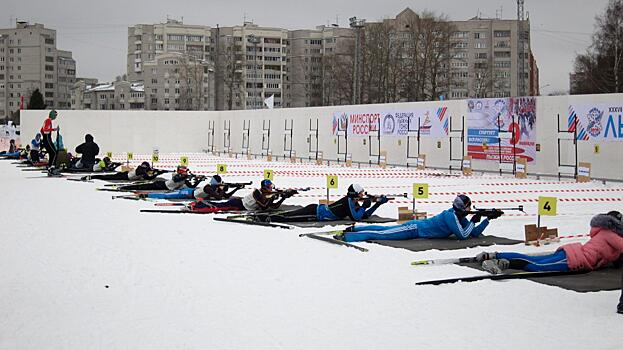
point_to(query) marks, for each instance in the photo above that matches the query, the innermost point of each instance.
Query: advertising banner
(599, 122)
(432, 122)
(486, 116)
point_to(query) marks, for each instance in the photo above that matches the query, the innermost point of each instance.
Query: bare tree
(191, 76)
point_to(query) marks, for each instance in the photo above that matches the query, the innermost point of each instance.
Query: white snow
(82, 271)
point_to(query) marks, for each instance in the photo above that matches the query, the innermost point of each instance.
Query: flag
(270, 102)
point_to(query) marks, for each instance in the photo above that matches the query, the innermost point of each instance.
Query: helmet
(266, 183)
(216, 180)
(182, 170)
(53, 114)
(145, 165)
(615, 214)
(461, 202)
(354, 190)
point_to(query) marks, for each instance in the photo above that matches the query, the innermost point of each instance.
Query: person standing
(47, 143)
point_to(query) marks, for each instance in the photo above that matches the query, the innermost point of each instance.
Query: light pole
(356, 24)
(252, 39)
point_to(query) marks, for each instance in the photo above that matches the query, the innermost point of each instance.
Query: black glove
(366, 203)
(476, 218)
(494, 214)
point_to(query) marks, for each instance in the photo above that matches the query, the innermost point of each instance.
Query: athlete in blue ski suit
(450, 222)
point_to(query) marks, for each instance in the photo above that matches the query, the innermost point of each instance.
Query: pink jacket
(604, 247)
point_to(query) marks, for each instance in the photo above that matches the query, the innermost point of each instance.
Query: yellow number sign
(331, 181)
(184, 161)
(154, 158)
(109, 154)
(420, 190)
(221, 168)
(130, 155)
(547, 206)
(268, 174)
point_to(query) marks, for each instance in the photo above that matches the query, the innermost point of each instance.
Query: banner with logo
(488, 115)
(432, 122)
(599, 122)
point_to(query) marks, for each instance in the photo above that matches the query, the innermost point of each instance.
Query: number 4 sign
(547, 206)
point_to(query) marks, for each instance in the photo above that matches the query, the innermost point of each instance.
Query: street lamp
(252, 39)
(356, 24)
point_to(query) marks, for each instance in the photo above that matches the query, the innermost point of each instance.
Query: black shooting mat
(450, 243)
(374, 219)
(608, 278)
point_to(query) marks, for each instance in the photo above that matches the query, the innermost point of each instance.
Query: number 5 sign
(547, 206)
(420, 190)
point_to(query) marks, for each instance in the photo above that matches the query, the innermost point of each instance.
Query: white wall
(140, 131)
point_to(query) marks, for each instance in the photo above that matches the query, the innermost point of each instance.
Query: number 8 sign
(547, 206)
(221, 168)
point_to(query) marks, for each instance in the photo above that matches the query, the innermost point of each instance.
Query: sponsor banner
(432, 122)
(599, 122)
(486, 116)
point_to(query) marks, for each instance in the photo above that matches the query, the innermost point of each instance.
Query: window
(480, 45)
(49, 68)
(502, 54)
(460, 45)
(49, 59)
(480, 35)
(49, 41)
(49, 85)
(480, 55)
(459, 35)
(502, 33)
(502, 44)
(502, 64)
(175, 37)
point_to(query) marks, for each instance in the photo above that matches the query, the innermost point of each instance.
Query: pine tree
(36, 100)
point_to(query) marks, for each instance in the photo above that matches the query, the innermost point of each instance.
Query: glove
(494, 214)
(382, 200)
(476, 218)
(366, 203)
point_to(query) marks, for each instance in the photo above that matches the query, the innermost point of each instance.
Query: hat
(461, 202)
(215, 180)
(265, 183)
(53, 114)
(354, 190)
(182, 169)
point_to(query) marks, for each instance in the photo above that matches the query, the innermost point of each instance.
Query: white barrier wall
(183, 131)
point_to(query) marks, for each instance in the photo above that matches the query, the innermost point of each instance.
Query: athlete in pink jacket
(604, 247)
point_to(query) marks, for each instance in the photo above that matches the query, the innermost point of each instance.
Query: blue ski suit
(442, 225)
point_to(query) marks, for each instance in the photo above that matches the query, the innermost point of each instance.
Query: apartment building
(30, 60)
(492, 58)
(119, 95)
(310, 59)
(250, 65)
(146, 41)
(175, 81)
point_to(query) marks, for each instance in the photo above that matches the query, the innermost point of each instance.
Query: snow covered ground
(82, 271)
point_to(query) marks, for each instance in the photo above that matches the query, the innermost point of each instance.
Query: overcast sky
(96, 31)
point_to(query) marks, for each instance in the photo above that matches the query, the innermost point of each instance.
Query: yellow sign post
(269, 174)
(419, 191)
(184, 161)
(221, 168)
(331, 183)
(109, 154)
(547, 207)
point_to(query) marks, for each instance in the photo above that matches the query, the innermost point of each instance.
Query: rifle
(487, 212)
(237, 184)
(376, 197)
(291, 191)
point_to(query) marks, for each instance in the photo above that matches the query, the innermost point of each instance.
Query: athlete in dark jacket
(143, 172)
(89, 151)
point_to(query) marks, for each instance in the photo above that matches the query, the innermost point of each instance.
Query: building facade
(120, 95)
(312, 57)
(250, 66)
(30, 60)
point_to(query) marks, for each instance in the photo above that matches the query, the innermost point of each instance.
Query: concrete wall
(140, 131)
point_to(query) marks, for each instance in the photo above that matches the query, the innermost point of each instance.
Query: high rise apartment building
(250, 64)
(29, 60)
(486, 59)
(310, 60)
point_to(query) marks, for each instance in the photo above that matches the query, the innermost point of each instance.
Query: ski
(256, 223)
(79, 180)
(110, 190)
(444, 261)
(165, 211)
(332, 240)
(170, 204)
(130, 197)
(503, 276)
